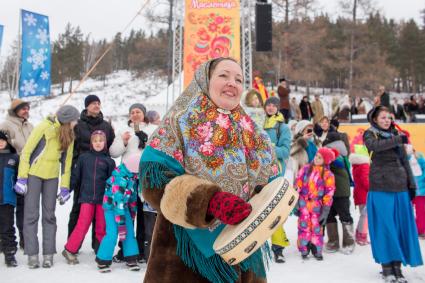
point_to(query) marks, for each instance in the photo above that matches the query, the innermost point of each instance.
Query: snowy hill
(121, 91)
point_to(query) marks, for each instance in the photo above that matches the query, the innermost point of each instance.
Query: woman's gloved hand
(228, 208)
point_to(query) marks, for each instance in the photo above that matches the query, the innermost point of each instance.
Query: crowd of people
(197, 168)
(77, 150)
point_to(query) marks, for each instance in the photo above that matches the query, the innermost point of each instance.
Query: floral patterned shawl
(225, 147)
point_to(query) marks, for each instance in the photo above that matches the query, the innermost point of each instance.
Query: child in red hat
(316, 185)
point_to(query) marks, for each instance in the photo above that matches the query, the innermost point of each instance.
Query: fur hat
(328, 154)
(132, 162)
(17, 104)
(138, 106)
(272, 100)
(89, 99)
(67, 114)
(301, 125)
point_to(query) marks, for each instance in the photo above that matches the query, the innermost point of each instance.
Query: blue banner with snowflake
(34, 77)
(1, 35)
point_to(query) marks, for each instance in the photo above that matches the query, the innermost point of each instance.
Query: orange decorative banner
(211, 30)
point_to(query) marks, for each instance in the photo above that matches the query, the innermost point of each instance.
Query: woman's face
(308, 132)
(225, 86)
(318, 160)
(137, 116)
(271, 109)
(383, 120)
(324, 124)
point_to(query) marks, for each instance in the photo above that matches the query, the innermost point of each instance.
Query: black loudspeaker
(263, 27)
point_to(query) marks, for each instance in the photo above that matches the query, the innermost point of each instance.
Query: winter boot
(397, 272)
(118, 257)
(10, 260)
(104, 268)
(133, 266)
(317, 255)
(70, 257)
(361, 238)
(47, 261)
(348, 243)
(332, 245)
(388, 273)
(33, 261)
(278, 253)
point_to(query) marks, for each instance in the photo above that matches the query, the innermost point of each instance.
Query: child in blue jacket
(280, 136)
(8, 170)
(120, 207)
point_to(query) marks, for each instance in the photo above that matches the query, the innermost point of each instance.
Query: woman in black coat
(306, 111)
(393, 233)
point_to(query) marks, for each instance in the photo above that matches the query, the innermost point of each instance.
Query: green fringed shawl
(156, 170)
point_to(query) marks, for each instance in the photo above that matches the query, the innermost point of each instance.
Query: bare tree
(352, 6)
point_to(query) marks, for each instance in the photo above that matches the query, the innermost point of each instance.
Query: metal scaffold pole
(246, 13)
(178, 17)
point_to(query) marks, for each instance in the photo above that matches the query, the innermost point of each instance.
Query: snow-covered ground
(336, 268)
(121, 91)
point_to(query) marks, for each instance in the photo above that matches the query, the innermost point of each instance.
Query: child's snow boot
(348, 243)
(47, 261)
(10, 260)
(332, 245)
(317, 255)
(278, 255)
(104, 268)
(70, 257)
(133, 266)
(33, 261)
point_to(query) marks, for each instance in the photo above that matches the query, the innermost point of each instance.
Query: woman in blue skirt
(393, 234)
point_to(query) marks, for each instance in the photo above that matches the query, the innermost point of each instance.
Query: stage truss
(246, 46)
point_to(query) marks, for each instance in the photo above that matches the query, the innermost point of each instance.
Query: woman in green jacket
(48, 150)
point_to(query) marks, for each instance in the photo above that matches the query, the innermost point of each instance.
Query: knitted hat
(138, 106)
(3, 135)
(291, 123)
(132, 162)
(89, 99)
(272, 100)
(152, 116)
(301, 125)
(67, 114)
(328, 154)
(18, 104)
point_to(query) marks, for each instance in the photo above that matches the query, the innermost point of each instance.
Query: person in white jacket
(127, 143)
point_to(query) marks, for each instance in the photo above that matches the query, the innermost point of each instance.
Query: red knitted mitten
(228, 208)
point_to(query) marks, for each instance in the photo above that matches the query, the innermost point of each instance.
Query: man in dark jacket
(283, 91)
(306, 110)
(384, 97)
(91, 120)
(398, 110)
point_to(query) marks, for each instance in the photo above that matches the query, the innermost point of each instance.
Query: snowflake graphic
(44, 75)
(29, 87)
(30, 20)
(42, 36)
(37, 58)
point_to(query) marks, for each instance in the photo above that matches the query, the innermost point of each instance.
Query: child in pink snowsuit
(316, 185)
